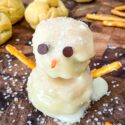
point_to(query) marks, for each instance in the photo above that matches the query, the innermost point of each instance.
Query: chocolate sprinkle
(43, 49)
(68, 51)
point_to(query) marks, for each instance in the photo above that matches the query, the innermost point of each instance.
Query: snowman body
(64, 99)
(61, 85)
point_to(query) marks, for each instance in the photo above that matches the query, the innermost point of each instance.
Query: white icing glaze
(100, 88)
(59, 96)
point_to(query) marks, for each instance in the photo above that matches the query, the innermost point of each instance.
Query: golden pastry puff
(14, 9)
(5, 28)
(39, 10)
(83, 1)
(52, 3)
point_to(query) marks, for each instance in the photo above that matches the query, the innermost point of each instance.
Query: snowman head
(63, 47)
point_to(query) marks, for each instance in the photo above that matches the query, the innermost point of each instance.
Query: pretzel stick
(108, 123)
(114, 23)
(95, 73)
(118, 13)
(20, 56)
(120, 7)
(102, 17)
(106, 69)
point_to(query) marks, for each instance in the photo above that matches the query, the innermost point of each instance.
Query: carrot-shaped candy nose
(53, 63)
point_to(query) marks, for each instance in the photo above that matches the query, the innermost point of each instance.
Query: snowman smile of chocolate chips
(61, 85)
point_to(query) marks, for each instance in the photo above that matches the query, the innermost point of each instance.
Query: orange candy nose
(53, 63)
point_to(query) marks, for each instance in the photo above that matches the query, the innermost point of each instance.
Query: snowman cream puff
(61, 85)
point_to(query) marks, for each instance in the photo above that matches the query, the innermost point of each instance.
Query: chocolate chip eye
(68, 51)
(43, 49)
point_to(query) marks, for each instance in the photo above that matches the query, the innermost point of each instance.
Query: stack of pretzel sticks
(117, 18)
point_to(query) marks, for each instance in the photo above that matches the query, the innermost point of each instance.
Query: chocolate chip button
(43, 49)
(68, 51)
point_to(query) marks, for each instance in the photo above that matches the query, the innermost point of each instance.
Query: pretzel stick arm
(106, 69)
(12, 50)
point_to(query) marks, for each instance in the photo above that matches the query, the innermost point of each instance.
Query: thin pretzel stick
(20, 56)
(102, 17)
(118, 13)
(106, 69)
(114, 23)
(108, 123)
(120, 7)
